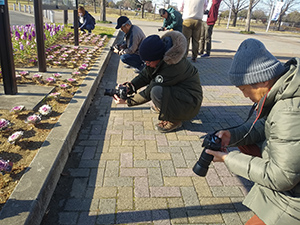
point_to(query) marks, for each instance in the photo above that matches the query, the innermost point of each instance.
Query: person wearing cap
(86, 20)
(171, 82)
(128, 49)
(270, 146)
(172, 19)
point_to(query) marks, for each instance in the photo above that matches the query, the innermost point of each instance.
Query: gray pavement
(122, 171)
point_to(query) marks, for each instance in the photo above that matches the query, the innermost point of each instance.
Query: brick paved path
(123, 171)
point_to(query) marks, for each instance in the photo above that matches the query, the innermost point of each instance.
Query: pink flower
(50, 80)
(17, 109)
(15, 137)
(64, 86)
(4, 124)
(45, 110)
(54, 95)
(37, 76)
(71, 80)
(33, 119)
(24, 73)
(57, 75)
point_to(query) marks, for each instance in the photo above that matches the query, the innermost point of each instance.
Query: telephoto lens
(211, 142)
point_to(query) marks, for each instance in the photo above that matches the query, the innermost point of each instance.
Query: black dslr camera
(121, 92)
(161, 29)
(112, 48)
(212, 142)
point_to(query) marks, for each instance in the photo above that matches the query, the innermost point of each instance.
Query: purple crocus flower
(17, 34)
(33, 33)
(21, 47)
(29, 37)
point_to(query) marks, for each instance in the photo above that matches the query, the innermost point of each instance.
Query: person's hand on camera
(218, 156)
(130, 88)
(225, 136)
(119, 100)
(116, 50)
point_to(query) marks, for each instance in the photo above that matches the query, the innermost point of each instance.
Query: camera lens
(201, 166)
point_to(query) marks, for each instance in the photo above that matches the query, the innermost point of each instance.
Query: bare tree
(142, 3)
(102, 10)
(288, 5)
(236, 6)
(252, 4)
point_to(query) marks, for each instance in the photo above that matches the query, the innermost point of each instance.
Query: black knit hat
(152, 48)
(253, 63)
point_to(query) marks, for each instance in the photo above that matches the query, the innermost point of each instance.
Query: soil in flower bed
(22, 152)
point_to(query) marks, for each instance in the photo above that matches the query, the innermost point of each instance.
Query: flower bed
(24, 131)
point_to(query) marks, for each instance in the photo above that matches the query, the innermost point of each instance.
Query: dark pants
(205, 38)
(133, 60)
(88, 27)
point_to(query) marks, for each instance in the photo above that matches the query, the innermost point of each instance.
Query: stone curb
(30, 198)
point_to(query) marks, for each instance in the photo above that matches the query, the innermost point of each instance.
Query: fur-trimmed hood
(177, 51)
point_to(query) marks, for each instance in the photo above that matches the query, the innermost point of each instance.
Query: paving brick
(226, 192)
(77, 172)
(167, 168)
(205, 216)
(118, 181)
(141, 187)
(178, 181)
(155, 177)
(158, 156)
(189, 196)
(126, 160)
(101, 192)
(165, 192)
(96, 177)
(150, 203)
(146, 163)
(68, 218)
(231, 217)
(139, 153)
(87, 218)
(134, 217)
(112, 169)
(125, 198)
(78, 187)
(178, 160)
(133, 172)
(88, 152)
(161, 140)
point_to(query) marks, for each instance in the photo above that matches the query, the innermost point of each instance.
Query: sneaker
(82, 32)
(205, 55)
(154, 109)
(127, 66)
(167, 126)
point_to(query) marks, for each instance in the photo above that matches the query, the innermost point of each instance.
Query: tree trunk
(102, 10)
(248, 20)
(234, 19)
(279, 23)
(143, 10)
(95, 10)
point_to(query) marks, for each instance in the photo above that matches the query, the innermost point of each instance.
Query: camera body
(121, 92)
(117, 47)
(161, 29)
(212, 142)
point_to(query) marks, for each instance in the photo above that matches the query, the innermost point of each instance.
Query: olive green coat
(182, 91)
(275, 196)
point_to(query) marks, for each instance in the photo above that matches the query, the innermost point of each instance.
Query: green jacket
(174, 20)
(182, 91)
(275, 196)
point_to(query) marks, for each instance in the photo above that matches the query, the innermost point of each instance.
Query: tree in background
(252, 4)
(141, 4)
(236, 6)
(293, 17)
(288, 5)
(102, 10)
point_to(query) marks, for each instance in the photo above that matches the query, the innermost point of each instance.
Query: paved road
(122, 171)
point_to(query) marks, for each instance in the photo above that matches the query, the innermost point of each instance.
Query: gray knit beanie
(253, 63)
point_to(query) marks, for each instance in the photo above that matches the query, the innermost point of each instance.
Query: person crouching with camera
(173, 83)
(270, 149)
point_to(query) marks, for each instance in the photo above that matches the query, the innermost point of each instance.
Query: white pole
(270, 16)
(229, 14)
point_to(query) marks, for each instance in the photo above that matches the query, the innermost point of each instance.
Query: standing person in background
(86, 20)
(172, 19)
(192, 18)
(209, 19)
(128, 49)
